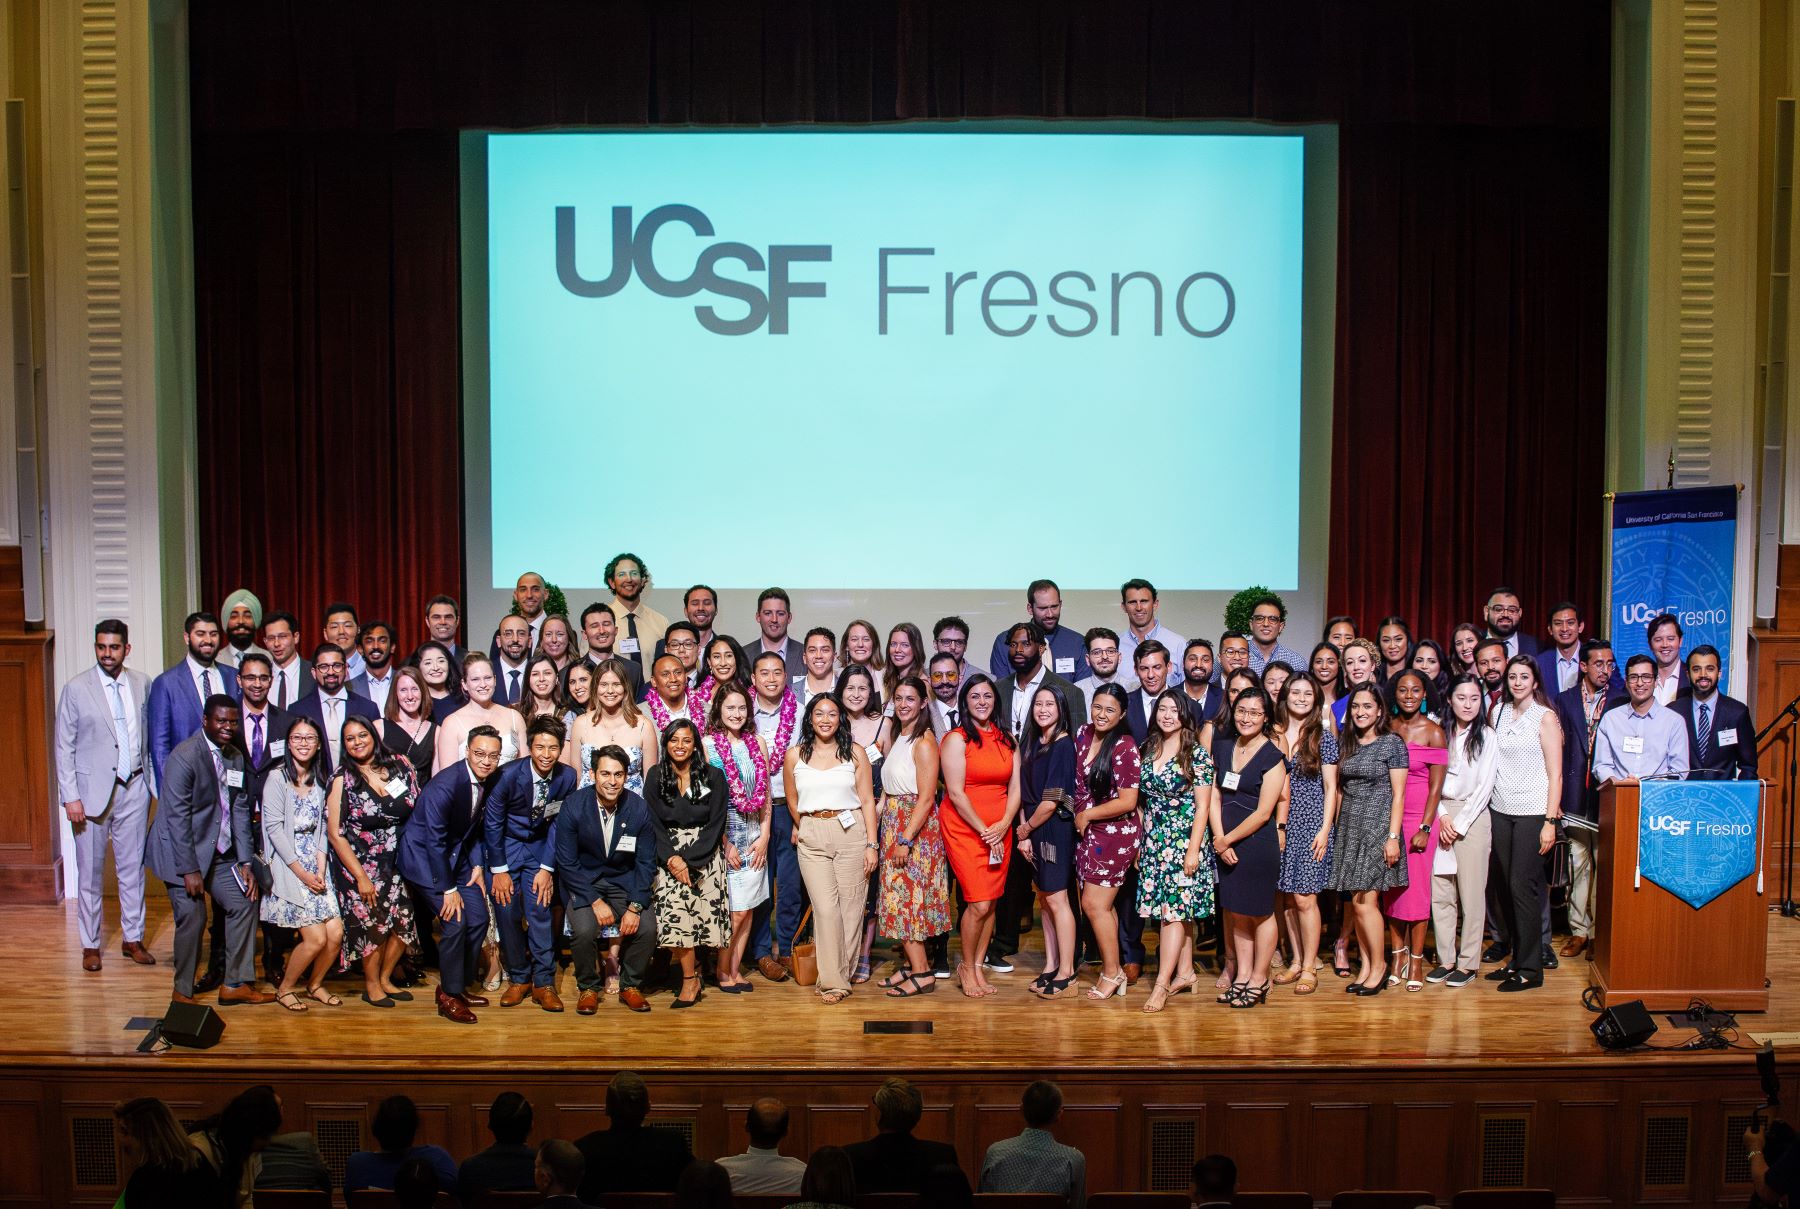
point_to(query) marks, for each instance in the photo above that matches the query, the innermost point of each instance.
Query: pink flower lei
(750, 802)
(660, 715)
(700, 699)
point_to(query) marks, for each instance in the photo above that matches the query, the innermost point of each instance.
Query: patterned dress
(306, 819)
(1300, 873)
(699, 915)
(1359, 860)
(1165, 892)
(634, 772)
(370, 822)
(915, 895)
(1109, 849)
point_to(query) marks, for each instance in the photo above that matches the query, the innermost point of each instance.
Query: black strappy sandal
(916, 984)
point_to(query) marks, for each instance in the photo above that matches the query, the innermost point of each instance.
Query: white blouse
(1468, 784)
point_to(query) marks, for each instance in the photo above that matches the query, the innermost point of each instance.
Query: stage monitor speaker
(192, 1024)
(1624, 1026)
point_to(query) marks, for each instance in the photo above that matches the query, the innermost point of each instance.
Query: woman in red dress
(981, 779)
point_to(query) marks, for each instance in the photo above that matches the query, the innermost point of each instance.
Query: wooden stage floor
(87, 1014)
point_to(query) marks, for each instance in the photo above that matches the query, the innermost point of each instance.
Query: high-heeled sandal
(1159, 998)
(1037, 984)
(1393, 976)
(1116, 991)
(1291, 974)
(1055, 988)
(1249, 997)
(1308, 984)
(1183, 986)
(1232, 992)
(1413, 962)
(1340, 959)
(688, 1003)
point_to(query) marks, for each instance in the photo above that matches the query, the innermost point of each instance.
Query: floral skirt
(915, 886)
(696, 916)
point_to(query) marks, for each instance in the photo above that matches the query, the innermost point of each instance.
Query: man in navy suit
(521, 810)
(441, 855)
(177, 695)
(774, 613)
(1580, 709)
(606, 860)
(1721, 734)
(1504, 613)
(1152, 661)
(331, 702)
(1559, 664)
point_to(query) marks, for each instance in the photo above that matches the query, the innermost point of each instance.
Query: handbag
(1556, 862)
(806, 956)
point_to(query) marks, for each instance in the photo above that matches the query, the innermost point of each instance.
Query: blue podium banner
(1698, 839)
(1672, 552)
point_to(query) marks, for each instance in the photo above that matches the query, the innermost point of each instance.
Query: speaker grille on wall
(681, 1125)
(1666, 1151)
(1173, 1147)
(95, 1153)
(339, 1138)
(1503, 1138)
(1737, 1162)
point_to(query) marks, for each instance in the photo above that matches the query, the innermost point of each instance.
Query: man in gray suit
(100, 736)
(200, 843)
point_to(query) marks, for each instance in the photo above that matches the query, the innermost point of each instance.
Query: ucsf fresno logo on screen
(1203, 303)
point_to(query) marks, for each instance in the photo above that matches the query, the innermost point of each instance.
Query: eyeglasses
(1640, 677)
(1266, 617)
(681, 644)
(943, 677)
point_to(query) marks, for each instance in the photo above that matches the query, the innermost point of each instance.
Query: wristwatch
(1393, 835)
(1424, 827)
(634, 908)
(1281, 826)
(873, 847)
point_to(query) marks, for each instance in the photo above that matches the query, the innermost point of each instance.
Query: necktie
(953, 722)
(637, 656)
(281, 698)
(224, 844)
(334, 730)
(256, 740)
(512, 689)
(121, 730)
(205, 685)
(1703, 733)
(539, 801)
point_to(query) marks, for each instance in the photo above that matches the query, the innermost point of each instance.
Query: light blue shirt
(1128, 644)
(1283, 654)
(1630, 744)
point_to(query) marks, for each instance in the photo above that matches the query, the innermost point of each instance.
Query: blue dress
(1248, 887)
(1051, 774)
(1300, 873)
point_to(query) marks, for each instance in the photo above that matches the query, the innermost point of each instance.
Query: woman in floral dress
(369, 800)
(1175, 869)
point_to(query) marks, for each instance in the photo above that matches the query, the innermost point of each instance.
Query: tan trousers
(1465, 889)
(1581, 882)
(831, 865)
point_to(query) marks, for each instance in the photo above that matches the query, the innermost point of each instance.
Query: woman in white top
(872, 731)
(1526, 807)
(827, 781)
(478, 685)
(1465, 836)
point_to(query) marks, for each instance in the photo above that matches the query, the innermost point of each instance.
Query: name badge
(234, 778)
(796, 681)
(395, 788)
(847, 819)
(1065, 667)
(278, 748)
(1726, 737)
(1633, 745)
(1229, 781)
(627, 843)
(552, 808)
(1048, 854)
(628, 646)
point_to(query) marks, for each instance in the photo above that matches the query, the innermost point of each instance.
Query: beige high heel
(1117, 991)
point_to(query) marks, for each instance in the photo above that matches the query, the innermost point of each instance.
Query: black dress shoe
(1498, 951)
(1519, 983)
(212, 980)
(1550, 961)
(1500, 975)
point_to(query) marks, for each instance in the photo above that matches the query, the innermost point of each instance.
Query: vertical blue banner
(1673, 552)
(1698, 839)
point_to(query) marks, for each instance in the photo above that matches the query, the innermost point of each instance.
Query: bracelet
(904, 842)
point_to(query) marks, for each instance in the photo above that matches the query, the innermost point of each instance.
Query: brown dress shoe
(771, 969)
(90, 960)
(634, 999)
(589, 1003)
(1133, 972)
(546, 998)
(473, 999)
(1574, 946)
(245, 994)
(178, 997)
(135, 950)
(452, 1008)
(514, 994)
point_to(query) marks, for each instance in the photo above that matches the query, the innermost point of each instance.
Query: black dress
(1050, 773)
(420, 755)
(1248, 887)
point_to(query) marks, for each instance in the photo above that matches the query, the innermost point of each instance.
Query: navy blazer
(503, 694)
(174, 712)
(587, 869)
(1734, 761)
(275, 732)
(1215, 698)
(513, 844)
(1134, 714)
(1546, 661)
(309, 706)
(440, 845)
(1579, 800)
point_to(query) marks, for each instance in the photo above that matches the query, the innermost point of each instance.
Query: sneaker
(941, 972)
(1460, 978)
(997, 964)
(1438, 974)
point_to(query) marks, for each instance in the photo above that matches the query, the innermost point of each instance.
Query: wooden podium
(1650, 945)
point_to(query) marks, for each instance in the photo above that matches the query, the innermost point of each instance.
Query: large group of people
(626, 784)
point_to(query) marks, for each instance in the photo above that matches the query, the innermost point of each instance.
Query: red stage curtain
(1471, 243)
